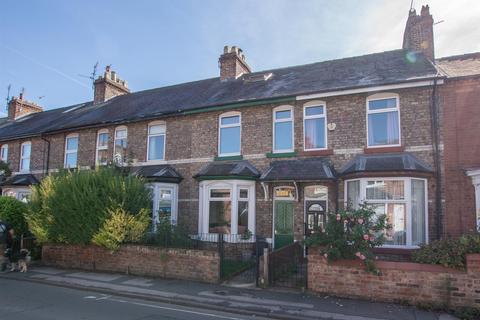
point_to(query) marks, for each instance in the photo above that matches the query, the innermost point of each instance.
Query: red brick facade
(461, 105)
(399, 281)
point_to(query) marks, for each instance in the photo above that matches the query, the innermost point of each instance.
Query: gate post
(220, 256)
(266, 264)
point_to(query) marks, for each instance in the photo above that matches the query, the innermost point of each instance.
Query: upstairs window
(229, 134)
(120, 145)
(25, 152)
(4, 153)
(102, 148)
(315, 128)
(71, 151)
(283, 129)
(156, 141)
(383, 117)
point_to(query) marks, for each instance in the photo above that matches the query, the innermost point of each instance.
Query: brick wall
(460, 103)
(198, 265)
(399, 282)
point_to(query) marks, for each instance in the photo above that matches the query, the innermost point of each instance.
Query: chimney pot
(418, 34)
(232, 63)
(109, 86)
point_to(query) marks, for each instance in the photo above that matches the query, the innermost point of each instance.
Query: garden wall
(199, 265)
(414, 283)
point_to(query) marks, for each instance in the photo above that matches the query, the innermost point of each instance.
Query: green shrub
(72, 207)
(448, 252)
(13, 211)
(121, 227)
(351, 234)
(168, 235)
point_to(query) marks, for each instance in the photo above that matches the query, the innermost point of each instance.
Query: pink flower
(358, 254)
(338, 217)
(362, 257)
(360, 221)
(325, 255)
(372, 238)
(365, 237)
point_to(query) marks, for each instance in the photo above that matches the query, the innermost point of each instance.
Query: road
(26, 300)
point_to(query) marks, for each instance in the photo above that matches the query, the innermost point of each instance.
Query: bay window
(120, 145)
(314, 126)
(25, 153)
(227, 207)
(283, 129)
(102, 147)
(156, 141)
(71, 151)
(229, 135)
(383, 120)
(402, 200)
(4, 153)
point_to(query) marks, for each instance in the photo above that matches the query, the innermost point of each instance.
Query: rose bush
(351, 234)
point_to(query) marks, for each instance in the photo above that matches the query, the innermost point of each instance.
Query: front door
(315, 216)
(283, 223)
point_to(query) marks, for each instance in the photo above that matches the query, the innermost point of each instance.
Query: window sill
(326, 152)
(228, 158)
(393, 149)
(281, 154)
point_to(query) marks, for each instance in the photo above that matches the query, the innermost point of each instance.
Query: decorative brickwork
(414, 283)
(198, 265)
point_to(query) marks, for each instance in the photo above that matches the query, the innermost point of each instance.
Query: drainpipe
(436, 159)
(47, 162)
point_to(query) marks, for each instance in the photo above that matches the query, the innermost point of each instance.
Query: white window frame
(119, 128)
(475, 176)
(220, 127)
(164, 134)
(101, 148)
(17, 193)
(407, 200)
(22, 157)
(383, 96)
(234, 186)
(4, 153)
(156, 187)
(67, 152)
(291, 119)
(310, 104)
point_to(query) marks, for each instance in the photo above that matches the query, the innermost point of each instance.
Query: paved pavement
(112, 290)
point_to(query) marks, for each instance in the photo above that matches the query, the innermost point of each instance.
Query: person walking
(12, 247)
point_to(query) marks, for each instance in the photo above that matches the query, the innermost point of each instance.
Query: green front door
(283, 224)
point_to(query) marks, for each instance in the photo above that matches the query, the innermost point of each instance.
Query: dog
(23, 261)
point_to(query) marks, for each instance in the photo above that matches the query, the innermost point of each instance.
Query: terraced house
(267, 152)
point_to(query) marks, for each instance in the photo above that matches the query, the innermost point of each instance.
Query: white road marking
(173, 309)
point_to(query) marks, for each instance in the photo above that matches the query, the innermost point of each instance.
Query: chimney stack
(232, 63)
(18, 107)
(109, 86)
(418, 35)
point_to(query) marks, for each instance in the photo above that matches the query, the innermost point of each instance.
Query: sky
(49, 47)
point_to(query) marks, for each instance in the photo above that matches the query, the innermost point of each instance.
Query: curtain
(392, 127)
(418, 212)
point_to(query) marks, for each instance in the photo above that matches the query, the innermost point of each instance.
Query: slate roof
(384, 163)
(235, 169)
(460, 66)
(299, 170)
(159, 173)
(355, 72)
(19, 180)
